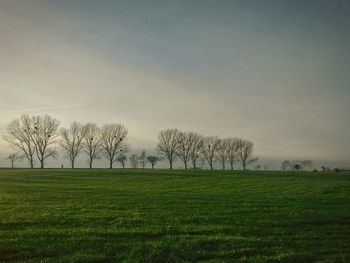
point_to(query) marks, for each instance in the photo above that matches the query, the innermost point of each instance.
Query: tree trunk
(90, 164)
(231, 166)
(223, 166)
(42, 164)
(12, 165)
(171, 164)
(185, 165)
(72, 163)
(31, 163)
(152, 165)
(111, 164)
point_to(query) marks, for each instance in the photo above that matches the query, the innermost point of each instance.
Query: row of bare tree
(36, 137)
(191, 146)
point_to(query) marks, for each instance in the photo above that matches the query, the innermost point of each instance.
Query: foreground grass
(170, 216)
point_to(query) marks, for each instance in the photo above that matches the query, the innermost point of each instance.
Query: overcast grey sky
(274, 72)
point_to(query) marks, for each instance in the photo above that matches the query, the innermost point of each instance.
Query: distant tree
(122, 159)
(209, 149)
(286, 165)
(222, 152)
(143, 159)
(297, 167)
(153, 160)
(71, 140)
(134, 161)
(232, 150)
(245, 153)
(325, 169)
(19, 134)
(306, 165)
(168, 144)
(91, 143)
(44, 134)
(196, 147)
(121, 156)
(13, 158)
(112, 138)
(266, 167)
(257, 167)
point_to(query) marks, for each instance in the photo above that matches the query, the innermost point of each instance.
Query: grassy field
(173, 216)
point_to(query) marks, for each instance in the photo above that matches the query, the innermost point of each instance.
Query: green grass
(173, 216)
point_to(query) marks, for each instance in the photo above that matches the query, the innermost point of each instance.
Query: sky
(274, 72)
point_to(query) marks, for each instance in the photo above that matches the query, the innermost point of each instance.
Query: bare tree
(209, 149)
(44, 134)
(245, 153)
(112, 138)
(153, 160)
(143, 159)
(91, 143)
(168, 144)
(71, 140)
(134, 161)
(18, 134)
(232, 151)
(196, 147)
(184, 148)
(222, 152)
(13, 158)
